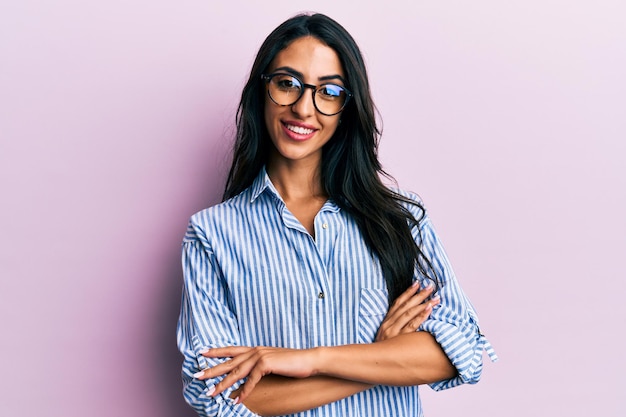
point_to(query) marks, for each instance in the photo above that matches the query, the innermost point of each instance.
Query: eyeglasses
(286, 89)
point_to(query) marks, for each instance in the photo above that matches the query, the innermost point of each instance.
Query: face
(299, 131)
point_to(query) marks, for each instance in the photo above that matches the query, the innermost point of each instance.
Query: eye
(286, 82)
(330, 91)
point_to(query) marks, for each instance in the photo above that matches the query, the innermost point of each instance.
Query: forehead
(309, 56)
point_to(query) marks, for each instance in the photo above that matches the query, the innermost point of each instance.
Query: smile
(299, 129)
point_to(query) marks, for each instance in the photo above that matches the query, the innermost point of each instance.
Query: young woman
(311, 289)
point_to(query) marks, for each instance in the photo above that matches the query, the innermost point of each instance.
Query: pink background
(509, 118)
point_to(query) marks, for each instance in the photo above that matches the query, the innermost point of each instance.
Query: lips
(298, 131)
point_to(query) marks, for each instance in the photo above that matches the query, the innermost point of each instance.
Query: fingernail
(415, 284)
(429, 286)
(210, 391)
(236, 400)
(436, 299)
(204, 350)
(198, 374)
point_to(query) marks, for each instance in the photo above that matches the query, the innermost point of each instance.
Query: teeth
(299, 130)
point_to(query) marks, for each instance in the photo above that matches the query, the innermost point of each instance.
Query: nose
(305, 107)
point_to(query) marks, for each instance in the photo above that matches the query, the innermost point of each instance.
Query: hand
(255, 363)
(407, 313)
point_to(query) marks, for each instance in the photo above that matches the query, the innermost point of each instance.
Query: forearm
(408, 359)
(276, 395)
(326, 373)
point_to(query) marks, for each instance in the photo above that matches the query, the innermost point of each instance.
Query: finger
(222, 368)
(420, 316)
(406, 295)
(421, 310)
(252, 381)
(422, 295)
(224, 352)
(410, 316)
(393, 322)
(396, 324)
(415, 299)
(243, 367)
(404, 310)
(237, 373)
(393, 328)
(214, 371)
(407, 310)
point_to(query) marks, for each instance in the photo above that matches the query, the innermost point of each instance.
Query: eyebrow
(300, 75)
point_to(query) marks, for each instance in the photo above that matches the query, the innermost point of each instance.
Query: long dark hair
(350, 172)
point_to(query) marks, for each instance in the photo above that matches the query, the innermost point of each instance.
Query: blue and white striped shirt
(253, 276)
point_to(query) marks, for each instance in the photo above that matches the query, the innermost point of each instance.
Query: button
(325, 226)
(320, 295)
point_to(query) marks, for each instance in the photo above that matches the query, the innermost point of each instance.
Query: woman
(311, 287)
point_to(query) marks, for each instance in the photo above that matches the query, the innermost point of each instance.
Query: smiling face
(299, 131)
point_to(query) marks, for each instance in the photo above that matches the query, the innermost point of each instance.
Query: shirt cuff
(196, 395)
(197, 391)
(464, 347)
(227, 408)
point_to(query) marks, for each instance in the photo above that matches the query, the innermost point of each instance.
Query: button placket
(321, 243)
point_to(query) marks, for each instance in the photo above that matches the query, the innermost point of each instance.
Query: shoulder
(409, 195)
(207, 221)
(410, 201)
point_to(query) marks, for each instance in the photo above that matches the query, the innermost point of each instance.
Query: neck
(296, 180)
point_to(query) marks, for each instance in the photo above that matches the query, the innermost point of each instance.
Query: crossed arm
(284, 381)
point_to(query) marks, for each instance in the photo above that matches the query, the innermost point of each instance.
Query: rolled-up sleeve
(205, 321)
(454, 322)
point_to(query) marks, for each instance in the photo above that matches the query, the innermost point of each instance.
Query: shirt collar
(262, 182)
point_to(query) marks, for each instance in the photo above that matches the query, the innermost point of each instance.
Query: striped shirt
(253, 276)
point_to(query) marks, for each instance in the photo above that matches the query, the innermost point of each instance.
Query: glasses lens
(285, 89)
(330, 98)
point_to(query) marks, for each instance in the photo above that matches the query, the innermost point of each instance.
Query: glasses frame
(314, 89)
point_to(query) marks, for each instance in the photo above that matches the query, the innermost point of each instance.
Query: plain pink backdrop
(508, 118)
